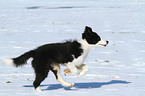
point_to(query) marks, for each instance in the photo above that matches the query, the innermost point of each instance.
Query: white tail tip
(8, 62)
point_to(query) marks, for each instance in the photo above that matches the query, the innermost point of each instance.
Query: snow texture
(116, 70)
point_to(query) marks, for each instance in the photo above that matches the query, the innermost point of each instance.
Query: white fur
(101, 43)
(84, 69)
(72, 68)
(38, 90)
(76, 63)
(8, 62)
(86, 48)
(60, 79)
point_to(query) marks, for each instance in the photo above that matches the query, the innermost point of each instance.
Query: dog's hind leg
(56, 70)
(40, 76)
(84, 69)
(41, 73)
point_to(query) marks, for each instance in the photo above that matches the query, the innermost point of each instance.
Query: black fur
(44, 56)
(90, 36)
(21, 60)
(59, 53)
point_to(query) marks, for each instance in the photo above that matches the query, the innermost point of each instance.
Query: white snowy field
(116, 70)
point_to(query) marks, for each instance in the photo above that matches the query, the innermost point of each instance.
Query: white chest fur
(86, 48)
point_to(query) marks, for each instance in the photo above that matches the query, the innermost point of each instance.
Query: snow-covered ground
(116, 70)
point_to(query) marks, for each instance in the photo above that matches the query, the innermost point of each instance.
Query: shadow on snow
(87, 85)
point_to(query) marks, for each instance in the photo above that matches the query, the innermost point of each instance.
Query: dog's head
(93, 38)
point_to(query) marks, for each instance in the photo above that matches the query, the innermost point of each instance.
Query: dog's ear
(87, 33)
(88, 30)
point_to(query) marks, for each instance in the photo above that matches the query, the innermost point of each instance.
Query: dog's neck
(85, 45)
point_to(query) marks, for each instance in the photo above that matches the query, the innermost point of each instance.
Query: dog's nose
(107, 41)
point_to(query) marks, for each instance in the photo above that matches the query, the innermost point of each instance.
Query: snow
(116, 70)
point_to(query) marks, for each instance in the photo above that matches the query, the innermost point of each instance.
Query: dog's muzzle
(104, 45)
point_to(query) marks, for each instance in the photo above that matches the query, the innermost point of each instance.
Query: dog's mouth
(104, 45)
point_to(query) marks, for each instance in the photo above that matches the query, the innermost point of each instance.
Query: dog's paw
(67, 71)
(38, 90)
(71, 85)
(79, 75)
(68, 84)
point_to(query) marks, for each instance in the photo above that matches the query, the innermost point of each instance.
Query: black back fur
(59, 53)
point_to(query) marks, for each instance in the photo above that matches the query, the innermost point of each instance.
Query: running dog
(49, 57)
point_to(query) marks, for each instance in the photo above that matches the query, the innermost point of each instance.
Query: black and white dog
(50, 56)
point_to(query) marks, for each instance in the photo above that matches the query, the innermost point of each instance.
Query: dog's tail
(21, 60)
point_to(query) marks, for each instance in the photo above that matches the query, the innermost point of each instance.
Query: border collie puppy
(49, 57)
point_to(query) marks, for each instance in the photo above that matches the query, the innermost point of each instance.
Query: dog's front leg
(72, 70)
(84, 69)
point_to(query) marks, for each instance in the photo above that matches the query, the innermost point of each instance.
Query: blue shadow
(87, 85)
